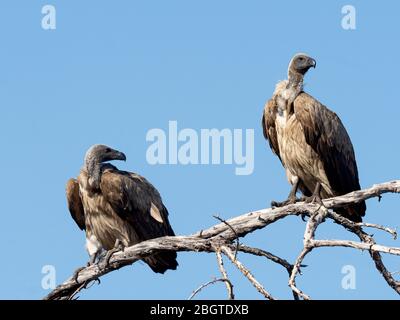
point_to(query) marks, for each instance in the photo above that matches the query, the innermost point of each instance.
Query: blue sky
(111, 71)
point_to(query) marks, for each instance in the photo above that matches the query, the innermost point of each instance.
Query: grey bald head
(94, 160)
(300, 64)
(100, 153)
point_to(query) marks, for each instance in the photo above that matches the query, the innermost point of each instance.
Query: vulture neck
(93, 169)
(295, 81)
(294, 87)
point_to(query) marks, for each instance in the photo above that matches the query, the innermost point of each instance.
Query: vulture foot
(290, 200)
(88, 264)
(117, 247)
(76, 274)
(315, 198)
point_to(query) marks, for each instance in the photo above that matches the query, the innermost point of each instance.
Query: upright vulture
(311, 142)
(115, 206)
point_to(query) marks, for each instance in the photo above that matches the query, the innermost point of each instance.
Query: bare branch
(375, 255)
(296, 269)
(228, 283)
(355, 245)
(273, 258)
(246, 223)
(311, 227)
(234, 232)
(72, 296)
(268, 255)
(393, 232)
(195, 292)
(228, 252)
(225, 233)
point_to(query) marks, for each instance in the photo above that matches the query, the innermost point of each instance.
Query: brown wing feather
(75, 203)
(137, 202)
(268, 125)
(132, 196)
(325, 133)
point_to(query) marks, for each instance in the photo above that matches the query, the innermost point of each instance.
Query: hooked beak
(313, 63)
(120, 156)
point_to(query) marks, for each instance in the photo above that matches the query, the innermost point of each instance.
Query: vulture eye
(108, 150)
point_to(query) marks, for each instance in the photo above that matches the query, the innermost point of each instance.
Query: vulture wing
(325, 133)
(137, 202)
(268, 125)
(75, 203)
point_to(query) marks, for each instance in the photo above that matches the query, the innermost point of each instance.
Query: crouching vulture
(114, 206)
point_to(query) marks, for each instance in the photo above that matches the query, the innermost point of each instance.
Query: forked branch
(224, 235)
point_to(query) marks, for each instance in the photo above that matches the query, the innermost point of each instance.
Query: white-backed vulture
(117, 206)
(311, 142)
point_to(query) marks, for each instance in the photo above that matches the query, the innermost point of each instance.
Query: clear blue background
(113, 70)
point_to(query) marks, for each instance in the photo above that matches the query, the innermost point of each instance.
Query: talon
(291, 198)
(288, 201)
(76, 274)
(90, 283)
(274, 204)
(117, 247)
(314, 199)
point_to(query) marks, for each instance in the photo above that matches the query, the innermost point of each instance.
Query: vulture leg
(90, 262)
(291, 198)
(93, 258)
(316, 196)
(117, 247)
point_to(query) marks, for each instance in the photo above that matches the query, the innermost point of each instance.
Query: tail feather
(354, 212)
(162, 261)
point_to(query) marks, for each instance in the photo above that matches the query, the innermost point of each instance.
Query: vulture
(117, 208)
(311, 143)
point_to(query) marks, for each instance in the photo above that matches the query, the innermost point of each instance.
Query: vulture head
(95, 157)
(300, 64)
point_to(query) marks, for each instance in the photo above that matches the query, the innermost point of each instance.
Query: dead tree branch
(231, 255)
(309, 234)
(214, 281)
(228, 283)
(224, 234)
(375, 255)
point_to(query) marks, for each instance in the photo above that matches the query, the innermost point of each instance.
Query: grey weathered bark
(222, 236)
